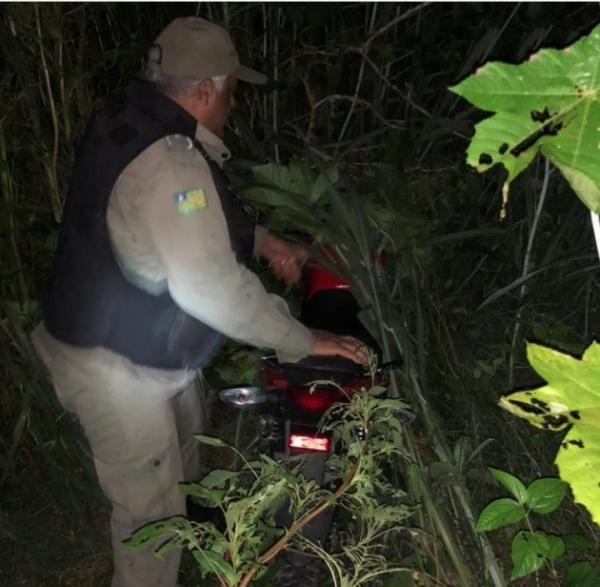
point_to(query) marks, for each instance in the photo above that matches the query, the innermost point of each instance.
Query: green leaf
(556, 547)
(377, 390)
(530, 549)
(217, 478)
(389, 405)
(251, 508)
(211, 489)
(571, 398)
(294, 178)
(592, 579)
(155, 531)
(276, 198)
(527, 553)
(547, 105)
(582, 185)
(294, 185)
(545, 495)
(214, 564)
(577, 572)
(211, 441)
(498, 513)
(203, 495)
(576, 542)
(511, 483)
(324, 183)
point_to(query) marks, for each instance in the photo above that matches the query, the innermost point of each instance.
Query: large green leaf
(527, 553)
(530, 549)
(294, 184)
(498, 513)
(294, 195)
(293, 178)
(577, 572)
(549, 105)
(511, 483)
(570, 399)
(544, 495)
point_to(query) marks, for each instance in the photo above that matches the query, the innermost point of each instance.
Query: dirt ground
(44, 546)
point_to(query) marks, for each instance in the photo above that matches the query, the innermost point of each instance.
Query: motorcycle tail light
(323, 397)
(305, 442)
(318, 401)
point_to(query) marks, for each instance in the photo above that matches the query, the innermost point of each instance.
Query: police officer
(151, 275)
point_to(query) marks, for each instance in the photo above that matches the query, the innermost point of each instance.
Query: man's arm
(204, 277)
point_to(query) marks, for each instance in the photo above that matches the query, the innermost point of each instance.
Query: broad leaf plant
(570, 399)
(531, 548)
(549, 105)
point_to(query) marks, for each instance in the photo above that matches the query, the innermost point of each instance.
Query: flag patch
(190, 201)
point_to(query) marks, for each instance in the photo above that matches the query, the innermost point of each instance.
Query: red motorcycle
(290, 406)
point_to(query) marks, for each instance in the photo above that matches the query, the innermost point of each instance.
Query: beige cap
(195, 48)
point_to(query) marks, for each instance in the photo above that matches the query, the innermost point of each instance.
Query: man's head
(194, 62)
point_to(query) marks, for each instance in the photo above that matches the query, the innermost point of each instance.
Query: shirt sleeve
(183, 214)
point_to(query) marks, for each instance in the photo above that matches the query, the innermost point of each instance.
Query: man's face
(219, 105)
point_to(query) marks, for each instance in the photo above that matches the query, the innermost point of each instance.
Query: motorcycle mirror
(242, 397)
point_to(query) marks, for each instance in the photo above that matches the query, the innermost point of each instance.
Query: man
(150, 276)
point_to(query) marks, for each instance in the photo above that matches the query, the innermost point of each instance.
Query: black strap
(241, 220)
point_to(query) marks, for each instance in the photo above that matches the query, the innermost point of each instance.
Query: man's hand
(330, 345)
(286, 259)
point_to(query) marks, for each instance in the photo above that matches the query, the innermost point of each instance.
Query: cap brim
(249, 75)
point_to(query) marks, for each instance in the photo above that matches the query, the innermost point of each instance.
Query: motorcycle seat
(312, 368)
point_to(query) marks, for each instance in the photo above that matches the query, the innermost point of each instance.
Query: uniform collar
(164, 111)
(174, 118)
(214, 146)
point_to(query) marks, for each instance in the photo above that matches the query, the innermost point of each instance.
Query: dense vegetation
(362, 88)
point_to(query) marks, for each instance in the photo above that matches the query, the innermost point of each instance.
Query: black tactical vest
(89, 301)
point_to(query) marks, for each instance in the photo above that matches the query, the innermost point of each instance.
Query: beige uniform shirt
(163, 240)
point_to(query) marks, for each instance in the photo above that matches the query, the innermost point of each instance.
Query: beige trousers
(140, 427)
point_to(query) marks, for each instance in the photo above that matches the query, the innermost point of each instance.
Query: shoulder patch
(179, 143)
(190, 201)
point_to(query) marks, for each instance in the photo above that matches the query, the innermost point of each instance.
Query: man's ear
(205, 91)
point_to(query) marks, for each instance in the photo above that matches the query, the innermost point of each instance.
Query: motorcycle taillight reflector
(318, 401)
(318, 443)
